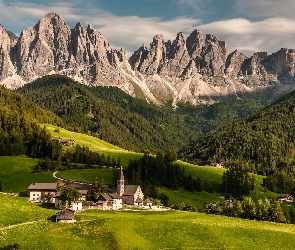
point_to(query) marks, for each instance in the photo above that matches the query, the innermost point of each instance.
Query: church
(131, 194)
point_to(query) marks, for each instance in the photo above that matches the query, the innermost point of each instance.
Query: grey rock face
(186, 69)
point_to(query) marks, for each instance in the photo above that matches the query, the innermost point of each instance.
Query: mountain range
(194, 69)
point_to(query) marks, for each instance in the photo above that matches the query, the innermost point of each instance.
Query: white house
(42, 192)
(285, 198)
(75, 205)
(110, 201)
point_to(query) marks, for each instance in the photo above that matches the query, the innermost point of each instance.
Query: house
(42, 192)
(217, 165)
(110, 201)
(55, 138)
(60, 204)
(68, 142)
(147, 203)
(285, 198)
(46, 192)
(225, 196)
(131, 194)
(66, 215)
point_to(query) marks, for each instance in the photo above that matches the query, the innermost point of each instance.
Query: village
(130, 196)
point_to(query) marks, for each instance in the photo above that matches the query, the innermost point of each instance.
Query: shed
(66, 215)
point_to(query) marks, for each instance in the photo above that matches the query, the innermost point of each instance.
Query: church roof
(130, 189)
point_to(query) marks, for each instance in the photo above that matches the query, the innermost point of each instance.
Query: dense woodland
(19, 126)
(131, 123)
(265, 140)
(160, 171)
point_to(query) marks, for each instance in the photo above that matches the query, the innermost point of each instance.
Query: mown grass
(198, 199)
(151, 230)
(94, 144)
(16, 173)
(208, 174)
(87, 175)
(15, 210)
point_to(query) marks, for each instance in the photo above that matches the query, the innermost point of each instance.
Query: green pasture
(94, 144)
(16, 173)
(208, 174)
(151, 230)
(87, 175)
(198, 199)
(16, 210)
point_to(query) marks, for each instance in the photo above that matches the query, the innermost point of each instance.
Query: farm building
(42, 192)
(285, 198)
(66, 215)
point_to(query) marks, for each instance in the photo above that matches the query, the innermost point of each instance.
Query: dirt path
(20, 224)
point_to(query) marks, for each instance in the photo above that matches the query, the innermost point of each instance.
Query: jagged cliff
(186, 69)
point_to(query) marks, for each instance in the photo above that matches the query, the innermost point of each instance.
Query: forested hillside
(265, 140)
(19, 129)
(131, 123)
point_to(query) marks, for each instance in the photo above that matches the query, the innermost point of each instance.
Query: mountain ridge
(190, 69)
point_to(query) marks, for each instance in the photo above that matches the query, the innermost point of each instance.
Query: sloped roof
(43, 186)
(105, 197)
(115, 196)
(130, 189)
(138, 200)
(147, 201)
(66, 214)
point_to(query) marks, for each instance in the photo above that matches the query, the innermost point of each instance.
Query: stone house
(110, 201)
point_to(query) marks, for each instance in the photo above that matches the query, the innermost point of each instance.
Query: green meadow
(198, 199)
(124, 230)
(94, 144)
(16, 210)
(208, 174)
(16, 173)
(87, 175)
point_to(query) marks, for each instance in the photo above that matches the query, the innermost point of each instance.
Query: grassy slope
(95, 144)
(87, 175)
(210, 174)
(15, 210)
(151, 230)
(16, 173)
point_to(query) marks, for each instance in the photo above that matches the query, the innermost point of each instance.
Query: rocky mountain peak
(186, 69)
(194, 44)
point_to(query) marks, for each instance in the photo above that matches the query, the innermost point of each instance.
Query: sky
(246, 25)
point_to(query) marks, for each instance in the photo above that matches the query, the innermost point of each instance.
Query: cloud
(267, 35)
(265, 8)
(274, 29)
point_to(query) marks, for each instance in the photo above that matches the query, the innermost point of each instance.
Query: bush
(11, 247)
(24, 194)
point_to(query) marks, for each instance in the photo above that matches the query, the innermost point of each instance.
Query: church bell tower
(120, 182)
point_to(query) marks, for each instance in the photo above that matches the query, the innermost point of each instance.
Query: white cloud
(130, 32)
(268, 35)
(265, 8)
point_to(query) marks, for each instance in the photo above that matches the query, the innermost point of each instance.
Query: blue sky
(246, 25)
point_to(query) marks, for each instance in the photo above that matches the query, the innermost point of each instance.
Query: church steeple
(120, 182)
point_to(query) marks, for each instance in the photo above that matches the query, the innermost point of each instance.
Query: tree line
(160, 171)
(248, 209)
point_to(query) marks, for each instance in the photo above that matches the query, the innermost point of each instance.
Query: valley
(180, 145)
